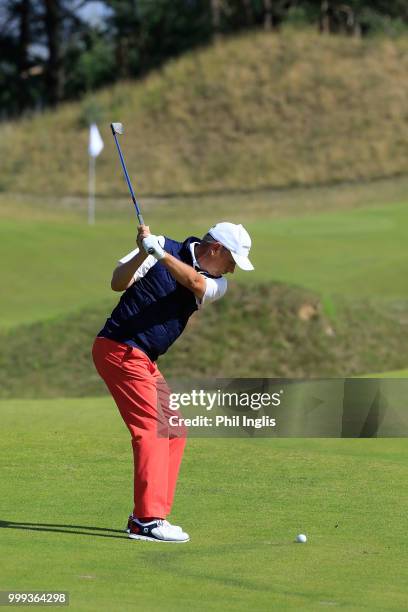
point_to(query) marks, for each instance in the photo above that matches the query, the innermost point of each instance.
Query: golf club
(117, 128)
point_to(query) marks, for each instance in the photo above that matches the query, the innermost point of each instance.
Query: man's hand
(142, 232)
(152, 246)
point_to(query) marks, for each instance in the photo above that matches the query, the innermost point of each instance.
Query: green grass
(393, 374)
(253, 111)
(66, 492)
(257, 331)
(357, 253)
(350, 261)
(350, 249)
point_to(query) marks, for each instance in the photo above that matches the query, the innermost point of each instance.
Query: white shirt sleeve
(215, 289)
(146, 265)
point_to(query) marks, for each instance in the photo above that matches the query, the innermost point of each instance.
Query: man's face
(222, 261)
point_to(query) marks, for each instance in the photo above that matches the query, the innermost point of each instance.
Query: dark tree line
(49, 53)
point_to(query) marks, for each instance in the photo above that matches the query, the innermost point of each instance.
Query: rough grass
(66, 494)
(261, 332)
(254, 111)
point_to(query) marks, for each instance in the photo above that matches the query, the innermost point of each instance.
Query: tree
(216, 18)
(62, 29)
(268, 14)
(18, 75)
(23, 9)
(54, 73)
(147, 33)
(356, 17)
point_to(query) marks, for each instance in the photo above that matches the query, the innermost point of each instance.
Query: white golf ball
(301, 538)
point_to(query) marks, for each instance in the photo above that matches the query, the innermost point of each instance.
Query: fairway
(358, 251)
(66, 468)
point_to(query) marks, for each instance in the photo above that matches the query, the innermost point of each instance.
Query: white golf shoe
(130, 519)
(157, 531)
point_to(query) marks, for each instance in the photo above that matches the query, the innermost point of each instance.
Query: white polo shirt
(215, 287)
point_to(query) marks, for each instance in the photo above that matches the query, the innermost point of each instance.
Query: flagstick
(91, 201)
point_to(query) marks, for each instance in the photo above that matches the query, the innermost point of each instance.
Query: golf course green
(66, 491)
(66, 463)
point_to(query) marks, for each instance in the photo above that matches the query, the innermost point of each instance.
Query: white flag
(95, 141)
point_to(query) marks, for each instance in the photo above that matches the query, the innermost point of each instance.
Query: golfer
(161, 290)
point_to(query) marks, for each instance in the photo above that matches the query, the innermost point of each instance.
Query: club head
(117, 128)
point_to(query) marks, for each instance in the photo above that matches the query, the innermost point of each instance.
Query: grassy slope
(261, 109)
(62, 512)
(254, 332)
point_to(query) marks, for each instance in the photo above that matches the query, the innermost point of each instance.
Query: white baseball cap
(236, 239)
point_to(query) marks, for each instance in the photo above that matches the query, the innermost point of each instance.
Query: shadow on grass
(58, 528)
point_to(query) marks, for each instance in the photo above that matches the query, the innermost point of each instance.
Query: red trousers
(141, 394)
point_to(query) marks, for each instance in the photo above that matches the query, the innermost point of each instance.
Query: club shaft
(122, 161)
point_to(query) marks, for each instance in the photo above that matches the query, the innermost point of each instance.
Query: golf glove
(152, 246)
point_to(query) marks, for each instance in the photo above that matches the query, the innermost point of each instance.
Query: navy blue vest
(153, 312)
